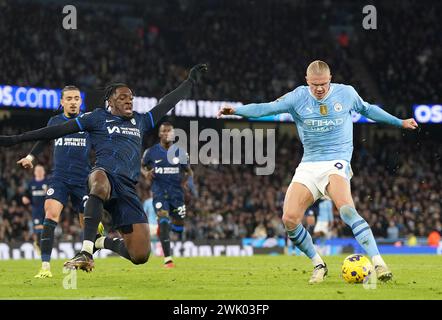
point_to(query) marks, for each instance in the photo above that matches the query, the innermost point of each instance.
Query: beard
(128, 117)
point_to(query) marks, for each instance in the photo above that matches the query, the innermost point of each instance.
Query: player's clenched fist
(409, 124)
(197, 71)
(226, 110)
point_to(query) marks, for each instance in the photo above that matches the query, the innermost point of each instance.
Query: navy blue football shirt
(37, 191)
(117, 141)
(168, 174)
(71, 154)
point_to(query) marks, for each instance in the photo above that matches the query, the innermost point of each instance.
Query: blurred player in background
(321, 112)
(324, 219)
(167, 169)
(149, 210)
(116, 134)
(310, 219)
(69, 176)
(36, 197)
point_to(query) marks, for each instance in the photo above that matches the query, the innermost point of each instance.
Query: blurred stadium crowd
(257, 52)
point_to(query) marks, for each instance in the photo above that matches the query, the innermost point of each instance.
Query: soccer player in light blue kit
(324, 219)
(149, 210)
(321, 112)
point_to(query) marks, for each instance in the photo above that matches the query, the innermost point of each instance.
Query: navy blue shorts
(124, 204)
(38, 216)
(61, 191)
(173, 204)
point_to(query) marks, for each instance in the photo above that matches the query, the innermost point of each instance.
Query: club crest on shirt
(133, 121)
(339, 165)
(338, 107)
(323, 109)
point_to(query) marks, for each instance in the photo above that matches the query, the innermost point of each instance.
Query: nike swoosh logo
(157, 161)
(109, 121)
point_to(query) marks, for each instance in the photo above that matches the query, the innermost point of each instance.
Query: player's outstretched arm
(28, 161)
(256, 110)
(182, 92)
(46, 133)
(377, 114)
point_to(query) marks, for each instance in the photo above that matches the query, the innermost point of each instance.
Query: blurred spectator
(343, 40)
(434, 238)
(411, 240)
(392, 231)
(310, 221)
(260, 231)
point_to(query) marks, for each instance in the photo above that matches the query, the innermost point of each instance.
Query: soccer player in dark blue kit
(69, 175)
(167, 168)
(116, 136)
(36, 197)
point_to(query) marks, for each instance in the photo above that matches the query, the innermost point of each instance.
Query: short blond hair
(318, 67)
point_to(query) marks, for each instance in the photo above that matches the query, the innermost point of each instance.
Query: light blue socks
(361, 230)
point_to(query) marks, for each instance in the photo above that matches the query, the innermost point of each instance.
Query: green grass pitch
(220, 278)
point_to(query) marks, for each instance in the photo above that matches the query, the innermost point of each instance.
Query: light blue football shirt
(325, 126)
